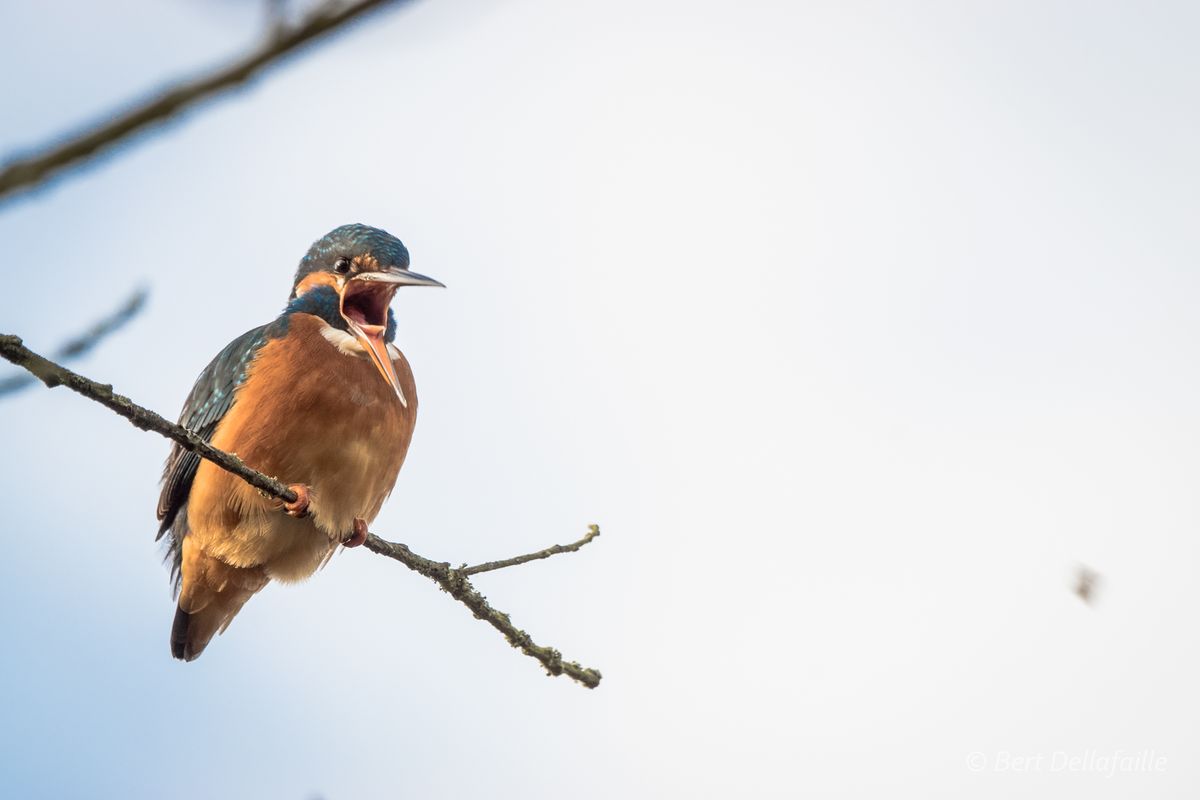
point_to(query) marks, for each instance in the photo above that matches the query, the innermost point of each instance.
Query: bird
(320, 397)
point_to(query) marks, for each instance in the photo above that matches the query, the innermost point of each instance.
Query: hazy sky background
(857, 326)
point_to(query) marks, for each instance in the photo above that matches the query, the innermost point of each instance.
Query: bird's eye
(341, 266)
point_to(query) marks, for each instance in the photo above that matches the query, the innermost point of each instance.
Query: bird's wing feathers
(209, 401)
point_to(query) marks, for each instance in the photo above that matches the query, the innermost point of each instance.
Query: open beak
(364, 305)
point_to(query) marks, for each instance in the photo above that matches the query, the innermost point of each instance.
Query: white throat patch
(347, 345)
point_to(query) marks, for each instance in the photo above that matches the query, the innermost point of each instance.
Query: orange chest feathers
(311, 412)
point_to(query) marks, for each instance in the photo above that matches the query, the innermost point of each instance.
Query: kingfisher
(320, 398)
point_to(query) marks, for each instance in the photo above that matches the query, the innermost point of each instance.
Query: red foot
(359, 536)
(299, 508)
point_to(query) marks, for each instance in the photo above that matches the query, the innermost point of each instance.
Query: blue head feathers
(349, 241)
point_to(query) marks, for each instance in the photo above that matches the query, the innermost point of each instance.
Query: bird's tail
(211, 595)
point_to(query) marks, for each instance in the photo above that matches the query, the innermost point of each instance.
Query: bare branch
(84, 342)
(53, 374)
(72, 150)
(454, 581)
(552, 550)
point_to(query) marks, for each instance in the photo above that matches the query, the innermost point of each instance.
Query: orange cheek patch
(366, 263)
(314, 280)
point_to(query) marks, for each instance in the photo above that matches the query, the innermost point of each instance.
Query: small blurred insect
(1087, 581)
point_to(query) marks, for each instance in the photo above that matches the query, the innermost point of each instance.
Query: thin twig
(453, 581)
(552, 550)
(276, 13)
(84, 342)
(72, 150)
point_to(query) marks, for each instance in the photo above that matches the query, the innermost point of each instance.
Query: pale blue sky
(855, 325)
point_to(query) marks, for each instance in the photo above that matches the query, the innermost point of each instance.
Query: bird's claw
(359, 536)
(298, 508)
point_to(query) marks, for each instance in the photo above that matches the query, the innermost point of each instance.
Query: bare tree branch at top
(43, 164)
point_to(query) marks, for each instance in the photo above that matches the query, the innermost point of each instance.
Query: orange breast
(307, 413)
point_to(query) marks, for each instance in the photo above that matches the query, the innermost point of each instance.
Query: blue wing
(209, 401)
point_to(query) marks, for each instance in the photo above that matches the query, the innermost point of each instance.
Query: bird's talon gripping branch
(359, 536)
(299, 507)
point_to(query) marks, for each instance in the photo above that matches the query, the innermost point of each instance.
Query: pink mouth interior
(366, 304)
